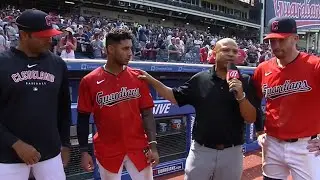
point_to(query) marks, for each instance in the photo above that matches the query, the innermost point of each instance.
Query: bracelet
(241, 99)
(152, 142)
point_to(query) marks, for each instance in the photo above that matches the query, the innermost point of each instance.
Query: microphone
(232, 73)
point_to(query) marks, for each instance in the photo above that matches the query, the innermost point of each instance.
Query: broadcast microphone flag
(233, 73)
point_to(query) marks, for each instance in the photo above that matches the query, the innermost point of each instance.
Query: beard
(280, 54)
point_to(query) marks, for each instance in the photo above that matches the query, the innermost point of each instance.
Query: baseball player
(34, 104)
(122, 108)
(290, 83)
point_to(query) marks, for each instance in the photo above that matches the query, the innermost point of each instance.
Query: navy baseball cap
(281, 28)
(38, 23)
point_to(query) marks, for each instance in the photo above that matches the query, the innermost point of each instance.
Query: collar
(105, 70)
(213, 72)
(23, 55)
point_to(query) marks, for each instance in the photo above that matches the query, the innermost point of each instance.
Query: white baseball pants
(280, 159)
(145, 174)
(51, 169)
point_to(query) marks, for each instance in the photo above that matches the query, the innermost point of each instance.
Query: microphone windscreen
(233, 72)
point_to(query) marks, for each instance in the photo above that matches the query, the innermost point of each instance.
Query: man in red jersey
(290, 82)
(122, 108)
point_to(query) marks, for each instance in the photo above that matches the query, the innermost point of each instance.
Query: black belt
(216, 146)
(297, 139)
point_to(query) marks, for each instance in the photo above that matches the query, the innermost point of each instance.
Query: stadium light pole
(262, 20)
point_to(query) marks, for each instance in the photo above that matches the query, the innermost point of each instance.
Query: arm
(163, 90)
(74, 46)
(182, 95)
(149, 125)
(257, 92)
(6, 137)
(83, 131)
(64, 109)
(61, 43)
(146, 106)
(247, 110)
(85, 105)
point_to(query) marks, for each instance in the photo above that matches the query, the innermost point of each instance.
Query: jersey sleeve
(145, 101)
(85, 102)
(256, 81)
(186, 94)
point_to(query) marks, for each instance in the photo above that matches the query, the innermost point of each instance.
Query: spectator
(68, 44)
(151, 42)
(204, 54)
(3, 41)
(252, 57)
(174, 53)
(242, 56)
(97, 46)
(82, 43)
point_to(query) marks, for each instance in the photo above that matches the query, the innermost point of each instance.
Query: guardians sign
(305, 12)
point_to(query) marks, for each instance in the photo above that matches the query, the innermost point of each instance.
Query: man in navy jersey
(34, 104)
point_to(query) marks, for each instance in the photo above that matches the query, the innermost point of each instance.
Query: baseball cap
(281, 28)
(38, 23)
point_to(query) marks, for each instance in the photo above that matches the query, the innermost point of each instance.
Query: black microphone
(232, 73)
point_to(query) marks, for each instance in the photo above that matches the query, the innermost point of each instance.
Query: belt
(217, 146)
(297, 139)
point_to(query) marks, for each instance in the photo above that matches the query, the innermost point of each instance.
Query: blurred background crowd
(84, 37)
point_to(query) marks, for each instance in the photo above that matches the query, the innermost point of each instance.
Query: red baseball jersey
(116, 101)
(292, 96)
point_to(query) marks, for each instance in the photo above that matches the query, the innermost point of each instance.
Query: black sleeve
(6, 137)
(254, 100)
(83, 131)
(186, 93)
(64, 109)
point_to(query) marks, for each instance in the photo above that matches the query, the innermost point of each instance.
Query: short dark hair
(116, 35)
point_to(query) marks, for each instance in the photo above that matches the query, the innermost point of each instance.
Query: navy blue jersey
(34, 104)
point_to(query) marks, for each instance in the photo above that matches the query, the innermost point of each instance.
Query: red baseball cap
(38, 23)
(281, 28)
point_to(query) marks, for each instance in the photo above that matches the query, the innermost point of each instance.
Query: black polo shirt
(218, 117)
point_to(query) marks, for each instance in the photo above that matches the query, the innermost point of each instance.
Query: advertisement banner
(305, 12)
(162, 108)
(151, 66)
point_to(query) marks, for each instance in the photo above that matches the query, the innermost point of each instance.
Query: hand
(152, 157)
(65, 155)
(87, 162)
(144, 75)
(262, 139)
(236, 84)
(26, 152)
(314, 146)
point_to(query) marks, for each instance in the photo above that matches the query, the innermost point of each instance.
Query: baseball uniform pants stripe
(281, 158)
(209, 164)
(51, 169)
(145, 174)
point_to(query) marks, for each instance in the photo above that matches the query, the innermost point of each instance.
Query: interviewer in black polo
(216, 151)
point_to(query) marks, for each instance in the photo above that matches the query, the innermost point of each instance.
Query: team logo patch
(124, 94)
(286, 89)
(233, 74)
(275, 26)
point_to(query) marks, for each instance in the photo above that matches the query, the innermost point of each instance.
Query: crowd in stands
(84, 37)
